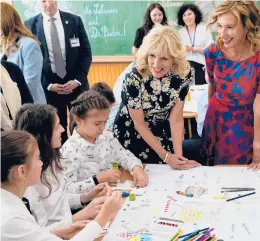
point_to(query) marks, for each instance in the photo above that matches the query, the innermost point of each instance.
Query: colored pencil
(238, 190)
(197, 231)
(248, 194)
(212, 237)
(219, 197)
(208, 238)
(198, 235)
(177, 235)
(194, 237)
(209, 230)
(204, 237)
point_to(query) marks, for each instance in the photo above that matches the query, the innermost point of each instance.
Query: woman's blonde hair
(166, 41)
(11, 25)
(245, 12)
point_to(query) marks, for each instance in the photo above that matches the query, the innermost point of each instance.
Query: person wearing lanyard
(195, 38)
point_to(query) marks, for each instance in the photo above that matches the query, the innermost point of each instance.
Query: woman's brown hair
(12, 27)
(39, 120)
(16, 148)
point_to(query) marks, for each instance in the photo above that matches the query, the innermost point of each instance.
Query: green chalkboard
(111, 25)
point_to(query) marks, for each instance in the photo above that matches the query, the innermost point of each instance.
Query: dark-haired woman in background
(154, 14)
(195, 38)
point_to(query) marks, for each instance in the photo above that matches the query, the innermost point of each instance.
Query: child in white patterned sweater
(104, 90)
(87, 156)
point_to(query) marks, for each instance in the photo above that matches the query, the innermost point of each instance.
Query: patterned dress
(155, 97)
(229, 123)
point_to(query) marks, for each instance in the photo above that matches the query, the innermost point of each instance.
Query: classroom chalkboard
(111, 25)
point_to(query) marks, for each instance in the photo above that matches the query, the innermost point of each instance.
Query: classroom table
(125, 175)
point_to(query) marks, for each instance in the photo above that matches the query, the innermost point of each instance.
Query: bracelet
(95, 179)
(161, 154)
(166, 157)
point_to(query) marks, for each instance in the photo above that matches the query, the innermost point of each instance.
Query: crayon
(185, 194)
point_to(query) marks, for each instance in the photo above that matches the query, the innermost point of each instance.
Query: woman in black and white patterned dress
(150, 119)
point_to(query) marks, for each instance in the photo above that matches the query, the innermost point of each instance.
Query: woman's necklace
(192, 40)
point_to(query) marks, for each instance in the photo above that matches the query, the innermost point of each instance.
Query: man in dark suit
(66, 56)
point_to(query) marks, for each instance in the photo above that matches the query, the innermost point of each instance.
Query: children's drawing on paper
(196, 191)
(191, 215)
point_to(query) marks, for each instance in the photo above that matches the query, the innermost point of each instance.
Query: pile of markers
(198, 235)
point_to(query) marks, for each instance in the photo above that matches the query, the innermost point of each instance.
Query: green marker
(115, 166)
(132, 197)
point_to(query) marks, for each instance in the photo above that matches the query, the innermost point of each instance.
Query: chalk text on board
(94, 32)
(96, 28)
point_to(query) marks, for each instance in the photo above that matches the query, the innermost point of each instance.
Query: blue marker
(125, 194)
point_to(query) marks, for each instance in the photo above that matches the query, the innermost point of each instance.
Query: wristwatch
(95, 179)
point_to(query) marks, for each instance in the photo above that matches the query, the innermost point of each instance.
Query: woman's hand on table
(182, 163)
(140, 179)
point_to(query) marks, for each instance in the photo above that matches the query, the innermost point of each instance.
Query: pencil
(194, 237)
(194, 232)
(219, 197)
(238, 190)
(177, 235)
(212, 237)
(248, 194)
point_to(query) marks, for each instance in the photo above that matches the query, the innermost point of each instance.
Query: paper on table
(126, 185)
(159, 199)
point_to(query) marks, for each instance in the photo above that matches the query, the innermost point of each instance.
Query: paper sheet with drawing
(236, 220)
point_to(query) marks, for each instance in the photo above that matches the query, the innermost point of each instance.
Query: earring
(25, 180)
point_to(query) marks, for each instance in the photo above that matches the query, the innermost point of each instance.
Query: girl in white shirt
(195, 38)
(49, 200)
(21, 168)
(87, 155)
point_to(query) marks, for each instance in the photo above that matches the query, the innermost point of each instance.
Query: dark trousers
(62, 104)
(199, 73)
(192, 149)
